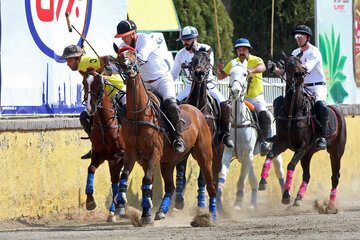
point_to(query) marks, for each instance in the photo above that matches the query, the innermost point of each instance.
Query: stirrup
(264, 148)
(320, 143)
(179, 145)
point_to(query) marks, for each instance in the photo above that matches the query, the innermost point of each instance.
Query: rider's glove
(271, 66)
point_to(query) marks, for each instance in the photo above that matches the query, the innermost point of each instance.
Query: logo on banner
(47, 23)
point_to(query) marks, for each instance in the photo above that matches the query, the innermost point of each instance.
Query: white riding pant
(164, 86)
(214, 92)
(258, 102)
(319, 92)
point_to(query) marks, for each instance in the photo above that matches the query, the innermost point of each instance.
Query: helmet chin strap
(307, 40)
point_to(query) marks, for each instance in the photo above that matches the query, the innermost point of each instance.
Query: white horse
(244, 133)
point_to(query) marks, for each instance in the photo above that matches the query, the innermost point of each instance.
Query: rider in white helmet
(189, 36)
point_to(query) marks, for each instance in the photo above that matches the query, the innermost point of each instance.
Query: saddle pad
(185, 121)
(332, 128)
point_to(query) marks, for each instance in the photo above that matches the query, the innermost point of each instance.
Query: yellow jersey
(256, 84)
(114, 79)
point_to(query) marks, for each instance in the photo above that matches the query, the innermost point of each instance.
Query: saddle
(332, 124)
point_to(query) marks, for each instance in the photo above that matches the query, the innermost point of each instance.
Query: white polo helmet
(188, 32)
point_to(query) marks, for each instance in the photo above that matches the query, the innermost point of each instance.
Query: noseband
(128, 68)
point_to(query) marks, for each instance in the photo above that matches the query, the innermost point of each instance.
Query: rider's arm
(175, 71)
(222, 72)
(145, 46)
(260, 68)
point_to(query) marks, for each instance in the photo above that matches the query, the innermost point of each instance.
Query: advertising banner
(34, 34)
(339, 43)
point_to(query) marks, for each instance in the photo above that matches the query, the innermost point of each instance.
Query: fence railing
(273, 87)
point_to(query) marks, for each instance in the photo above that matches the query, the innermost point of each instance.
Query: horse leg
(305, 164)
(167, 170)
(149, 168)
(120, 199)
(89, 190)
(290, 172)
(180, 184)
(201, 191)
(226, 160)
(246, 160)
(254, 187)
(279, 171)
(204, 160)
(115, 168)
(277, 148)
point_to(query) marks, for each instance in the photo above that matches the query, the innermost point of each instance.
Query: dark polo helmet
(72, 51)
(302, 29)
(124, 28)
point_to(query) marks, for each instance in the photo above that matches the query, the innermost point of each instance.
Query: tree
(252, 20)
(200, 14)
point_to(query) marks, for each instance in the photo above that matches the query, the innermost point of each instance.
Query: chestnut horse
(295, 126)
(199, 69)
(106, 139)
(147, 142)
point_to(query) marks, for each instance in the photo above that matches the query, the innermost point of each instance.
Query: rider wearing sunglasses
(311, 59)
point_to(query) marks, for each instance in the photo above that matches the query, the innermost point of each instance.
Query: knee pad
(84, 118)
(277, 103)
(321, 109)
(265, 120)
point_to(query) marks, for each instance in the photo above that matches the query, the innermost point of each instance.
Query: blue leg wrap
(115, 190)
(146, 201)
(166, 202)
(254, 197)
(201, 197)
(89, 184)
(220, 186)
(179, 184)
(122, 192)
(212, 208)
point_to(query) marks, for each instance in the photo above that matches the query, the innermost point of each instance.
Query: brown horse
(295, 124)
(106, 139)
(148, 143)
(199, 69)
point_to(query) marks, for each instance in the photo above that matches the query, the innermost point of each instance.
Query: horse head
(295, 71)
(200, 65)
(94, 90)
(238, 79)
(127, 62)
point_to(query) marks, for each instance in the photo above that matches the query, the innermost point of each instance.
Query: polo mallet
(82, 36)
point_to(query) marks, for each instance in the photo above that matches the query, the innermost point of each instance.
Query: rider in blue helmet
(255, 93)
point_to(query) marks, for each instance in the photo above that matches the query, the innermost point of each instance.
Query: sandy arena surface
(269, 221)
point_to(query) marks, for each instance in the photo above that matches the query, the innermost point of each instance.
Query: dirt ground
(269, 221)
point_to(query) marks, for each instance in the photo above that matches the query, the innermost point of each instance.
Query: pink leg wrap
(289, 178)
(266, 168)
(332, 197)
(302, 189)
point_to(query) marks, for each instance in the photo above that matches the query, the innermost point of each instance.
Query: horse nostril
(199, 74)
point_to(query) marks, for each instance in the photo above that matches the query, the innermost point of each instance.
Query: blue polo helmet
(188, 32)
(242, 42)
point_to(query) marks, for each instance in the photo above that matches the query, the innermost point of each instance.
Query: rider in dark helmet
(155, 74)
(311, 59)
(255, 93)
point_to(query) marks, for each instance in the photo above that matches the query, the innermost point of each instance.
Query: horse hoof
(160, 215)
(146, 220)
(179, 203)
(120, 211)
(262, 184)
(298, 201)
(90, 205)
(111, 217)
(330, 210)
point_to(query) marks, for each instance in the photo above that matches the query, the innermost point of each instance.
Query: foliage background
(244, 18)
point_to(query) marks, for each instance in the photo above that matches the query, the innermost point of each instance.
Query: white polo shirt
(147, 50)
(185, 56)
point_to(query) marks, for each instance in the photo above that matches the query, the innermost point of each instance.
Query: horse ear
(209, 50)
(116, 48)
(283, 55)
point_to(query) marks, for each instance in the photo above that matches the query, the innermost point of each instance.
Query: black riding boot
(322, 114)
(86, 122)
(173, 113)
(265, 132)
(226, 123)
